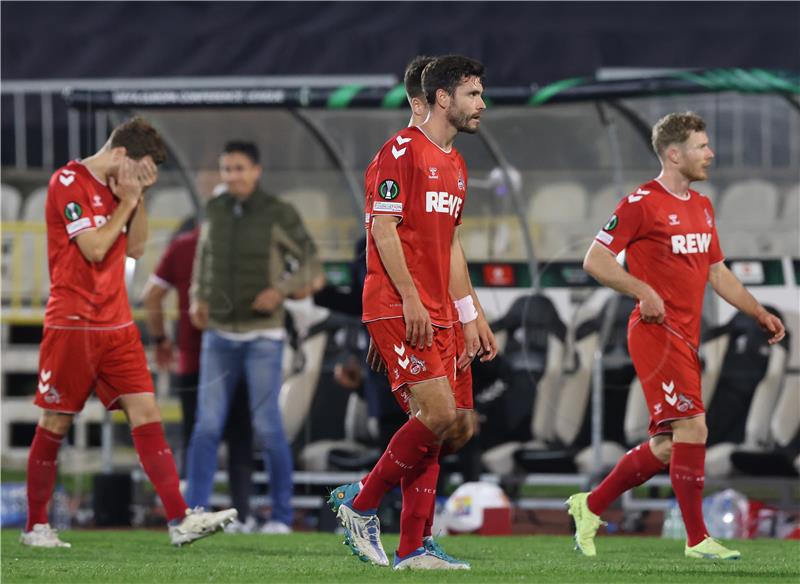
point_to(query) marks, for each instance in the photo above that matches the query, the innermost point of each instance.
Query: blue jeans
(222, 363)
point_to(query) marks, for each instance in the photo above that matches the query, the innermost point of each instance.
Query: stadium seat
(739, 412)
(787, 231)
(746, 216)
(322, 455)
(782, 458)
(605, 201)
(301, 381)
(752, 200)
(170, 203)
(566, 449)
(534, 351)
(34, 283)
(310, 203)
(11, 200)
(557, 214)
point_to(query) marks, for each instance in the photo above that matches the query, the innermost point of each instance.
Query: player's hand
(651, 307)
(349, 374)
(419, 330)
(146, 173)
(374, 359)
(773, 325)
(488, 349)
(126, 185)
(268, 300)
(165, 355)
(472, 344)
(198, 314)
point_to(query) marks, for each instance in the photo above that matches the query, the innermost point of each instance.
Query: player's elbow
(135, 251)
(94, 254)
(590, 263)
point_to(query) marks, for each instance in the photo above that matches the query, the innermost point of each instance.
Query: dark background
(519, 42)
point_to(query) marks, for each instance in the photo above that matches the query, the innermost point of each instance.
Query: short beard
(460, 121)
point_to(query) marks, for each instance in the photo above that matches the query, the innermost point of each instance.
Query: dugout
(546, 170)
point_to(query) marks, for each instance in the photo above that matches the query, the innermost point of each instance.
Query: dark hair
(249, 149)
(412, 79)
(675, 129)
(139, 139)
(447, 73)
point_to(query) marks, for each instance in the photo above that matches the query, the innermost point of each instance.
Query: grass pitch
(146, 556)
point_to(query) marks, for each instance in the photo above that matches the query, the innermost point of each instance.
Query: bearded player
(669, 234)
(463, 428)
(412, 274)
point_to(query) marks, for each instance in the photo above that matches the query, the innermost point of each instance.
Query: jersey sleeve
(392, 178)
(625, 226)
(70, 199)
(164, 274)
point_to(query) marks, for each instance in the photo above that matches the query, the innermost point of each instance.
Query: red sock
(633, 469)
(159, 465)
(42, 469)
(419, 491)
(428, 531)
(687, 473)
(405, 450)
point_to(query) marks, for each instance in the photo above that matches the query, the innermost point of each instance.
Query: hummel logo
(634, 198)
(669, 388)
(44, 387)
(45, 375)
(671, 399)
(66, 180)
(397, 153)
(404, 363)
(400, 350)
(401, 140)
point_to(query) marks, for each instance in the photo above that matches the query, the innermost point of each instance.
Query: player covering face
(95, 219)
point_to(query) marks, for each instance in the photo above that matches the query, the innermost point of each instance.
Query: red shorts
(669, 370)
(75, 362)
(408, 366)
(462, 390)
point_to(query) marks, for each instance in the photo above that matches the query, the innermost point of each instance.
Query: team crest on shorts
(417, 365)
(684, 403)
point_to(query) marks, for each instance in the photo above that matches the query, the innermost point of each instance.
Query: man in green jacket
(239, 284)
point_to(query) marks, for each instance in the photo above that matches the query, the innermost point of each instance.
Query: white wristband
(466, 309)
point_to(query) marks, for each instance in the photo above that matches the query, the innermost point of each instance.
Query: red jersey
(671, 243)
(83, 293)
(426, 187)
(175, 271)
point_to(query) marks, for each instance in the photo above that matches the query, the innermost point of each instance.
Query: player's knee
(441, 418)
(55, 422)
(692, 430)
(662, 449)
